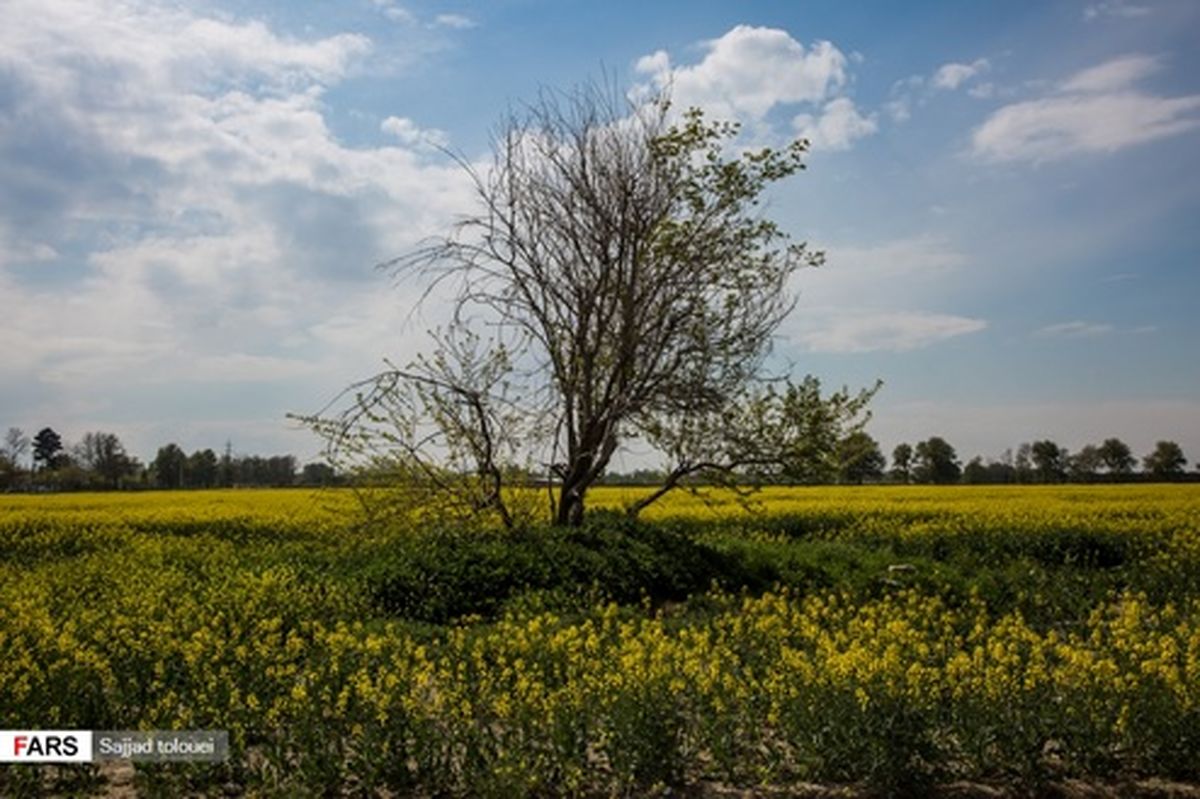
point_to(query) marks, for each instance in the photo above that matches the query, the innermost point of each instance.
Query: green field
(894, 639)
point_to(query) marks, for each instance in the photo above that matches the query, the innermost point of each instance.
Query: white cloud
(1111, 76)
(1119, 9)
(873, 297)
(1075, 329)
(899, 110)
(185, 51)
(412, 135)
(454, 21)
(838, 126)
(1054, 128)
(749, 71)
(395, 13)
(951, 76)
(1094, 111)
(194, 215)
(893, 332)
(657, 63)
(917, 90)
(880, 276)
(240, 367)
(15, 248)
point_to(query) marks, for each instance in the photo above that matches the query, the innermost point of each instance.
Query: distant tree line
(856, 458)
(1111, 461)
(99, 462)
(832, 455)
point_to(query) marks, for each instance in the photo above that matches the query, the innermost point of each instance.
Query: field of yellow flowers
(892, 638)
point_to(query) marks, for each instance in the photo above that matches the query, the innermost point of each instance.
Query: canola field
(894, 639)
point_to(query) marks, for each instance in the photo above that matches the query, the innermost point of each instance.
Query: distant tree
(647, 477)
(139, 474)
(935, 461)
(225, 471)
(1023, 464)
(318, 474)
(1049, 461)
(67, 474)
(170, 467)
(640, 477)
(255, 470)
(47, 444)
(16, 444)
(859, 458)
(902, 463)
(1166, 462)
(975, 472)
(281, 470)
(249, 470)
(992, 472)
(10, 473)
(1084, 465)
(114, 464)
(1117, 457)
(104, 456)
(86, 452)
(202, 469)
(1001, 470)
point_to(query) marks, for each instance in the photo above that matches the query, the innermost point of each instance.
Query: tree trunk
(570, 505)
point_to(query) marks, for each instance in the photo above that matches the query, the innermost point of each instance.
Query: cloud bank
(176, 208)
(1096, 111)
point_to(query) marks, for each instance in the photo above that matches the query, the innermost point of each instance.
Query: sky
(194, 196)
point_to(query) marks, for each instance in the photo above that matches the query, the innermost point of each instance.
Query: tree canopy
(631, 288)
(46, 446)
(935, 461)
(1166, 461)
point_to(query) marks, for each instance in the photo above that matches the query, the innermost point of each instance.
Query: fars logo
(45, 746)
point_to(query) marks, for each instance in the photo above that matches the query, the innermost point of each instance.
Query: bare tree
(12, 453)
(105, 456)
(16, 444)
(632, 289)
(439, 435)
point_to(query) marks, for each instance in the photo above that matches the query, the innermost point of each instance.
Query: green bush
(441, 574)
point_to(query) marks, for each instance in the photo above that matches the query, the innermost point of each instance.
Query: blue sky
(193, 196)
